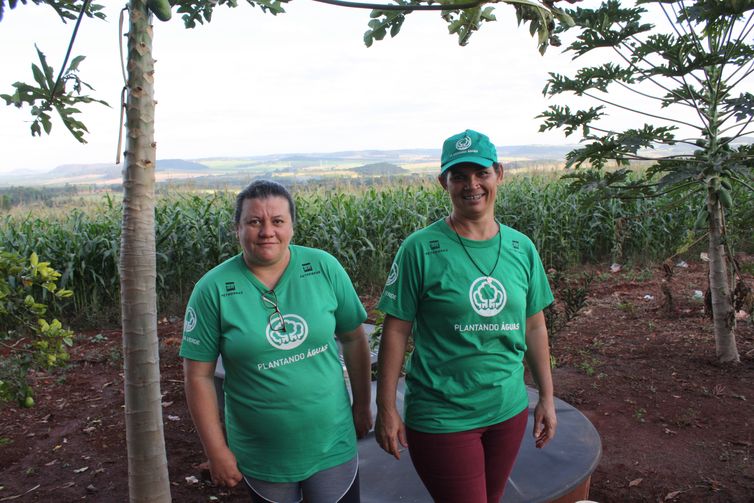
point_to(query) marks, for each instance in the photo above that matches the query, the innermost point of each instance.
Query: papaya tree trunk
(723, 316)
(147, 462)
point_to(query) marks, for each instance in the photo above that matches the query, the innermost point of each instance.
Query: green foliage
(361, 227)
(464, 17)
(85, 247)
(27, 340)
(50, 93)
(18, 196)
(570, 298)
(691, 76)
(193, 12)
(697, 65)
(66, 9)
(364, 230)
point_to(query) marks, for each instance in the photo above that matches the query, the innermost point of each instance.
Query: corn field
(361, 227)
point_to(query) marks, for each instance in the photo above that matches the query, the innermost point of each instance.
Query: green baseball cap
(468, 147)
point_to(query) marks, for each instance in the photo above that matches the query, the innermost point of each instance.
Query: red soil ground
(676, 426)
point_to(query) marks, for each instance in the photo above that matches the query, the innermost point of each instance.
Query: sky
(250, 83)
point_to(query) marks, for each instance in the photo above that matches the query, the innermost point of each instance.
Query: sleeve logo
(393, 276)
(190, 321)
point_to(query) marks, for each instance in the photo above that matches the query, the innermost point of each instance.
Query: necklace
(497, 258)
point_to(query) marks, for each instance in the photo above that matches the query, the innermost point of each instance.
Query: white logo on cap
(295, 333)
(463, 143)
(487, 296)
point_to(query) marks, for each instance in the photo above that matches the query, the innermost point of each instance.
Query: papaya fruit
(701, 220)
(725, 200)
(160, 8)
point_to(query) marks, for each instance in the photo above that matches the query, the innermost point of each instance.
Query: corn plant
(361, 226)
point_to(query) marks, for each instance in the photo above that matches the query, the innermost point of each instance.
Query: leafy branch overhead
(695, 67)
(66, 9)
(193, 12)
(541, 17)
(62, 95)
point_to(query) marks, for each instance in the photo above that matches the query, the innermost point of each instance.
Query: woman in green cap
(471, 292)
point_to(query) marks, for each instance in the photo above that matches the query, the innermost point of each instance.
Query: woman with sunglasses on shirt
(271, 313)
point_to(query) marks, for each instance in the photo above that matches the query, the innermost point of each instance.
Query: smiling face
(472, 189)
(265, 230)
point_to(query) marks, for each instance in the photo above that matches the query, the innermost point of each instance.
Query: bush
(28, 342)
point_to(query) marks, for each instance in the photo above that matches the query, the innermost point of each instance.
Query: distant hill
(71, 170)
(114, 170)
(535, 152)
(379, 168)
(302, 167)
(180, 165)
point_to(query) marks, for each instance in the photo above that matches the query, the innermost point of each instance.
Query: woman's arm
(202, 402)
(359, 366)
(538, 359)
(389, 428)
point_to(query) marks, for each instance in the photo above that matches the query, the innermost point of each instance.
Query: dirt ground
(675, 425)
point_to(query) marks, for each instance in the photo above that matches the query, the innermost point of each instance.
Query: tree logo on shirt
(190, 321)
(295, 332)
(487, 296)
(393, 276)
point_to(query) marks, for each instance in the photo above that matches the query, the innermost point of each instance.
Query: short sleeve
(400, 296)
(538, 295)
(350, 312)
(201, 325)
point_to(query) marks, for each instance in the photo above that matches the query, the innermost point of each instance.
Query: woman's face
(472, 189)
(265, 230)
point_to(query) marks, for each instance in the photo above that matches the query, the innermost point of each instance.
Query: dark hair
(497, 166)
(262, 189)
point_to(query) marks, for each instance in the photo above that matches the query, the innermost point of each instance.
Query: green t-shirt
(287, 409)
(466, 370)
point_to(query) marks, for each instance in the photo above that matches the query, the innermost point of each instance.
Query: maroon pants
(468, 466)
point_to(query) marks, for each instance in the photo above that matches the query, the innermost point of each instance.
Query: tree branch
(54, 89)
(597, 98)
(403, 8)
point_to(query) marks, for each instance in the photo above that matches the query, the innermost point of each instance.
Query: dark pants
(469, 466)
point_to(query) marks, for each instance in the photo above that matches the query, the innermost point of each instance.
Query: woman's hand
(362, 419)
(202, 402)
(224, 469)
(389, 429)
(390, 432)
(545, 421)
(538, 359)
(359, 366)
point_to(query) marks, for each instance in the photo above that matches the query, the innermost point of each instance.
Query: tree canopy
(691, 64)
